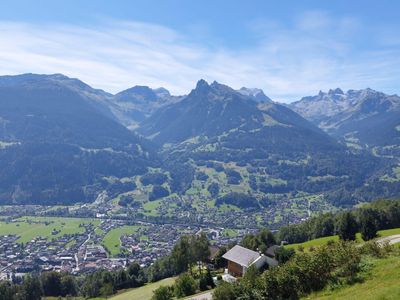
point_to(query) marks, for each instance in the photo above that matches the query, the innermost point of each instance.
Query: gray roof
(271, 262)
(242, 256)
(271, 250)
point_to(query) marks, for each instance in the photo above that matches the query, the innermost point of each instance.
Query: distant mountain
(266, 148)
(366, 116)
(216, 109)
(256, 94)
(58, 141)
(62, 142)
(137, 103)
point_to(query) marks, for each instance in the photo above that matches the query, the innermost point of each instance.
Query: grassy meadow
(28, 228)
(381, 282)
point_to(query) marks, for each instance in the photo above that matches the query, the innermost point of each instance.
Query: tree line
(368, 219)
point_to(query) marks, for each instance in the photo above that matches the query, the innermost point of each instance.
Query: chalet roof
(242, 256)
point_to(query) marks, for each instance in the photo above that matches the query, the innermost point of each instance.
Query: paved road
(204, 296)
(392, 239)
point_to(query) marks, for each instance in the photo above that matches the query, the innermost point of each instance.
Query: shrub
(163, 293)
(185, 285)
(224, 291)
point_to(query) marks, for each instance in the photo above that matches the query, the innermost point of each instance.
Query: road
(392, 239)
(204, 296)
(76, 254)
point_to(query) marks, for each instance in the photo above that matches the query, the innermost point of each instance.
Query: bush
(184, 286)
(224, 291)
(163, 293)
(283, 254)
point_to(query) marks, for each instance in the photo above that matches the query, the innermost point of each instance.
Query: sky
(290, 49)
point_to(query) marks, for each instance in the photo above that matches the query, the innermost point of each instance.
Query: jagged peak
(255, 93)
(202, 84)
(336, 91)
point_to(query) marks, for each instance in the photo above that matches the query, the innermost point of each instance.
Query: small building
(271, 251)
(240, 259)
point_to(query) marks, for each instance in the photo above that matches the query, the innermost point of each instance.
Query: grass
(324, 240)
(28, 228)
(143, 293)
(382, 283)
(112, 239)
(228, 232)
(151, 208)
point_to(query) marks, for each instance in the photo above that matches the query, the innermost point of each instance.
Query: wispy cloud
(288, 61)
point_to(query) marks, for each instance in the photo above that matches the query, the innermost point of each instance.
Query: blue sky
(289, 49)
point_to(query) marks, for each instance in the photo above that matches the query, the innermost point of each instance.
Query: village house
(240, 259)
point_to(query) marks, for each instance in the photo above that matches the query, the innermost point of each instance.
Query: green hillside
(381, 282)
(325, 240)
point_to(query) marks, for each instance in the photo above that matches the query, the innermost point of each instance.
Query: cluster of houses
(84, 252)
(38, 254)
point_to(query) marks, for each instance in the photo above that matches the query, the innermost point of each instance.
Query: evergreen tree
(31, 289)
(368, 224)
(347, 227)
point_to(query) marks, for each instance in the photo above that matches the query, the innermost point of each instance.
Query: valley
(93, 181)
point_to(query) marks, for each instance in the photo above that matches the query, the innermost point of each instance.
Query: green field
(112, 239)
(144, 292)
(229, 232)
(324, 240)
(28, 228)
(382, 282)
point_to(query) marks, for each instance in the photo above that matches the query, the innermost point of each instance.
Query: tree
(200, 249)
(181, 255)
(107, 290)
(163, 293)
(265, 239)
(368, 226)
(185, 285)
(283, 254)
(6, 291)
(347, 227)
(219, 261)
(31, 289)
(51, 283)
(323, 226)
(224, 291)
(206, 281)
(261, 241)
(68, 285)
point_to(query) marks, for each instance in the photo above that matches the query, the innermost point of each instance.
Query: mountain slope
(58, 143)
(134, 105)
(264, 149)
(366, 116)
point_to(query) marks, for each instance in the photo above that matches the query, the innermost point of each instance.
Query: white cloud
(315, 52)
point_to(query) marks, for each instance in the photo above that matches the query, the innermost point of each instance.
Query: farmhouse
(240, 259)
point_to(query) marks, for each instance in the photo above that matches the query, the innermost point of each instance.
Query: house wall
(235, 269)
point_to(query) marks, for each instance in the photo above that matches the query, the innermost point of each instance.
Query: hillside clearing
(143, 293)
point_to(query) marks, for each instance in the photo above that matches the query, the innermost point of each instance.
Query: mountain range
(63, 142)
(366, 117)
